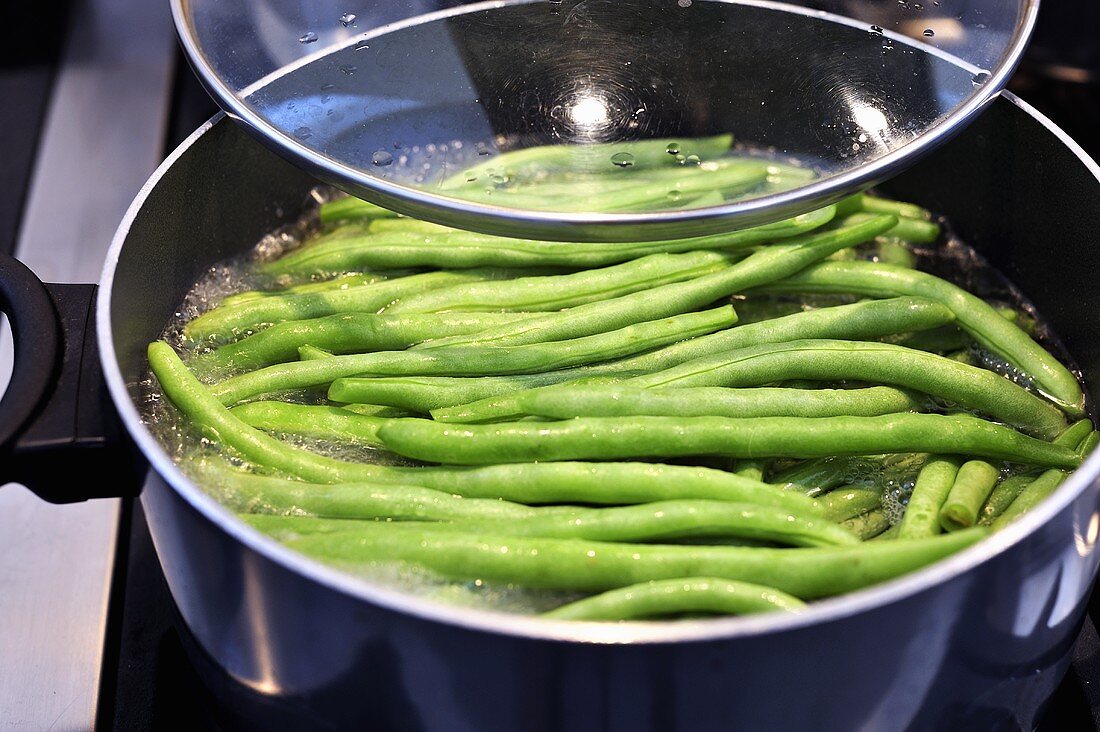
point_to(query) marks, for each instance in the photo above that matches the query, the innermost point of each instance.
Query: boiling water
(417, 103)
(951, 259)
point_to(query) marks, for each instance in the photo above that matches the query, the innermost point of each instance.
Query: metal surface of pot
(977, 641)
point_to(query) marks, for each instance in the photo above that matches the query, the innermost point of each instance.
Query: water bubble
(980, 78)
(309, 37)
(381, 158)
(348, 70)
(673, 148)
(362, 44)
(680, 158)
(303, 133)
(498, 179)
(684, 3)
(675, 195)
(622, 159)
(347, 19)
(692, 160)
(928, 32)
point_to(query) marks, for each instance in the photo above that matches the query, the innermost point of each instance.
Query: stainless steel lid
(637, 119)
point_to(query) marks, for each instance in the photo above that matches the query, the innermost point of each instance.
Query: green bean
(1029, 497)
(922, 515)
(336, 283)
(976, 316)
(569, 290)
(848, 503)
(795, 437)
(876, 204)
(1002, 497)
(462, 250)
(406, 225)
(833, 360)
(352, 208)
(590, 483)
(629, 195)
(596, 483)
(867, 525)
(753, 469)
(539, 160)
(973, 486)
(889, 534)
(765, 265)
(222, 323)
(891, 250)
(1033, 492)
(214, 420)
(325, 423)
(425, 393)
(664, 598)
(907, 229)
(532, 358)
(817, 476)
(857, 321)
(667, 520)
(312, 353)
(618, 400)
(345, 333)
(1089, 444)
(595, 566)
(376, 410)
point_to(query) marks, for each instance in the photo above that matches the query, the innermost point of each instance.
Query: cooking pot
(977, 641)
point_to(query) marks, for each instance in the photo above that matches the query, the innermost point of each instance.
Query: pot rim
(528, 626)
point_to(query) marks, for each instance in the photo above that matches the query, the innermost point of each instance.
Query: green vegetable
(565, 401)
(831, 360)
(973, 486)
(765, 265)
(595, 566)
(676, 596)
(529, 358)
(611, 438)
(569, 290)
(487, 400)
(345, 333)
(922, 515)
(977, 317)
(356, 249)
(237, 319)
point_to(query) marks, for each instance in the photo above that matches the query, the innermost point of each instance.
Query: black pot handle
(59, 433)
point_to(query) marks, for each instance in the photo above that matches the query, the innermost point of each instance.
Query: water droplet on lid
(327, 87)
(673, 148)
(684, 3)
(498, 179)
(680, 158)
(675, 195)
(876, 30)
(303, 133)
(622, 159)
(381, 158)
(309, 37)
(348, 70)
(362, 44)
(928, 32)
(692, 160)
(980, 78)
(347, 19)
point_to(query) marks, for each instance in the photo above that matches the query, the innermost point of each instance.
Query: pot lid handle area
(604, 120)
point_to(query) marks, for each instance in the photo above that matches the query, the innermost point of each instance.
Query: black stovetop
(150, 678)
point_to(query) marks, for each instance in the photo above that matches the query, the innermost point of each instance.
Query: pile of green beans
(593, 418)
